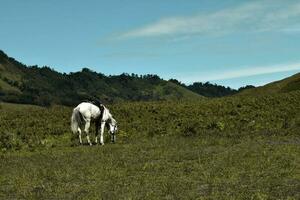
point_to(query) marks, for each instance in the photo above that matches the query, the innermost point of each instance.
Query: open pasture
(227, 148)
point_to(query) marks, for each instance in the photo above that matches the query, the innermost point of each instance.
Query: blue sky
(233, 42)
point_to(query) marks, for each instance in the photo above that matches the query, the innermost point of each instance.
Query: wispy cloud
(239, 73)
(254, 16)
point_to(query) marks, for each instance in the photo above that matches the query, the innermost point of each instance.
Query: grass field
(228, 148)
(157, 168)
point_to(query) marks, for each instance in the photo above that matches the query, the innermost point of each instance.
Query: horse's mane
(98, 104)
(94, 102)
(102, 108)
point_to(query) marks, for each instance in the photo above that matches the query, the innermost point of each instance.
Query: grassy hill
(44, 86)
(286, 85)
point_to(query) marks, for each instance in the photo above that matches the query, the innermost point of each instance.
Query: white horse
(86, 112)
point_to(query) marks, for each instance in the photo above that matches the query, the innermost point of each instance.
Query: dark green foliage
(208, 89)
(44, 86)
(211, 90)
(246, 87)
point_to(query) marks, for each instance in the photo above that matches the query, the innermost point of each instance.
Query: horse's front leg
(101, 132)
(86, 130)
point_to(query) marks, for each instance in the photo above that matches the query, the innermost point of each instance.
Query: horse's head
(113, 129)
(111, 123)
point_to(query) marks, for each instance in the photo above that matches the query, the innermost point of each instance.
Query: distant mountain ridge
(44, 86)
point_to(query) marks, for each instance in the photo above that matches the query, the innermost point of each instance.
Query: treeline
(44, 86)
(208, 89)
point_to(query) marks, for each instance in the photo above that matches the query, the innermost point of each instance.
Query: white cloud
(239, 73)
(254, 16)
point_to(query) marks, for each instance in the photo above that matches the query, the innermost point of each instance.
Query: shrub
(9, 141)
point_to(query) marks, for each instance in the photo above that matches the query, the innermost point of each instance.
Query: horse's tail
(75, 120)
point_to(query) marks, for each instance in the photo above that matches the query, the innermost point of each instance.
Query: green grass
(228, 148)
(157, 168)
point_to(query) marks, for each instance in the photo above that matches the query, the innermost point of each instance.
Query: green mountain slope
(44, 86)
(285, 85)
(10, 73)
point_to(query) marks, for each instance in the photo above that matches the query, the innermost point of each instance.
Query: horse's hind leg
(86, 130)
(79, 134)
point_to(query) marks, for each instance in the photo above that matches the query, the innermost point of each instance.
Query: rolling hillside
(44, 86)
(285, 85)
(240, 147)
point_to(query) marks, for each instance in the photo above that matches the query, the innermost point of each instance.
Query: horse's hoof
(101, 144)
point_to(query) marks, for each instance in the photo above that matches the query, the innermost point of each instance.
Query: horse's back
(83, 105)
(88, 109)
